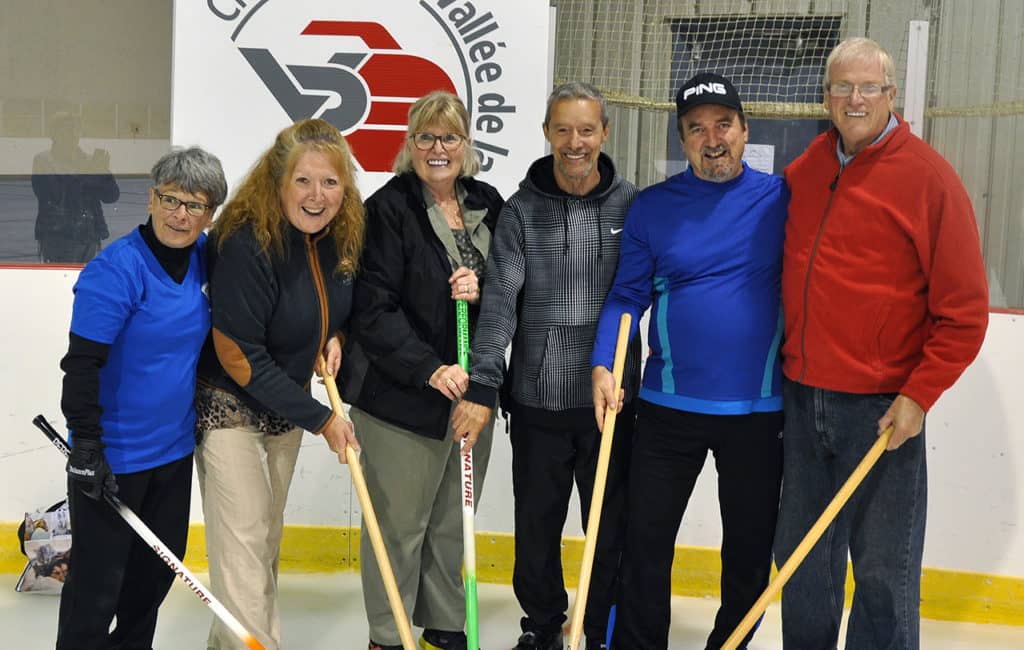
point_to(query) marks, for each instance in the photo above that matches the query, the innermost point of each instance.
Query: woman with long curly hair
(282, 257)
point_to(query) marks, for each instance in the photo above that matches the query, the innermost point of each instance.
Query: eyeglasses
(425, 141)
(171, 203)
(867, 91)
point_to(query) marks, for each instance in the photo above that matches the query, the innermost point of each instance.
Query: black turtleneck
(173, 260)
(546, 182)
(80, 398)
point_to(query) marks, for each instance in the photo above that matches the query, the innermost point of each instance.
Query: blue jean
(826, 434)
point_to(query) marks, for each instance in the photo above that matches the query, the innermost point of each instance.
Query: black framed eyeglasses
(425, 141)
(171, 203)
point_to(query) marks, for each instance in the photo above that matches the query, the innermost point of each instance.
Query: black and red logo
(376, 88)
(357, 74)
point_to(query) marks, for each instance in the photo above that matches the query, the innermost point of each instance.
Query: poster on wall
(242, 71)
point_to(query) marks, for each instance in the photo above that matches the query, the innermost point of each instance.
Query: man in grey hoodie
(552, 262)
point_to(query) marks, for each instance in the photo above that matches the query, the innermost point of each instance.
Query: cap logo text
(700, 89)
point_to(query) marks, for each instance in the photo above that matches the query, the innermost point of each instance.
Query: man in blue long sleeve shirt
(706, 247)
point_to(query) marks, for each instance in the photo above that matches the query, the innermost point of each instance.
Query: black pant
(113, 572)
(669, 450)
(549, 450)
(60, 250)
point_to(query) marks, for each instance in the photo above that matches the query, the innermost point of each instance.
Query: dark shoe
(441, 640)
(531, 640)
(593, 644)
(377, 646)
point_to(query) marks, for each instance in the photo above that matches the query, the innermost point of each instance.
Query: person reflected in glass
(71, 187)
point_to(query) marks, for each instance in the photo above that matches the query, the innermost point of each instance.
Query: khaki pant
(244, 477)
(414, 484)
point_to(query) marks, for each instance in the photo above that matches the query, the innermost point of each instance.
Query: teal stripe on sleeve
(668, 384)
(773, 355)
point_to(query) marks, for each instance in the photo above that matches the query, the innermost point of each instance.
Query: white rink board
(975, 444)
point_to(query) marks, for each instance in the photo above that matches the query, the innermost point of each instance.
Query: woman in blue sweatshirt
(139, 319)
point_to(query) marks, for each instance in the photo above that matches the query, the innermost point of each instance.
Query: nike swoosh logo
(616, 231)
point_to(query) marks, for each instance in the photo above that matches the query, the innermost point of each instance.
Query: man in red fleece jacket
(886, 304)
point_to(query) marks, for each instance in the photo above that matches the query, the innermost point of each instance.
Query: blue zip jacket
(709, 257)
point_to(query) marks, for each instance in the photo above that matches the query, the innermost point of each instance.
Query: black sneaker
(593, 644)
(378, 646)
(531, 640)
(441, 640)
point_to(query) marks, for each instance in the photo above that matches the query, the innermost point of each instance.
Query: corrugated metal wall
(976, 60)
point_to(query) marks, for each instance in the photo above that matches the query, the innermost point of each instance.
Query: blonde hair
(447, 111)
(859, 48)
(257, 202)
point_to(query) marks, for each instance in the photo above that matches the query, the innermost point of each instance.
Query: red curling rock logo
(358, 76)
(377, 87)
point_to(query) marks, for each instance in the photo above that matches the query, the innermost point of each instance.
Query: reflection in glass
(70, 187)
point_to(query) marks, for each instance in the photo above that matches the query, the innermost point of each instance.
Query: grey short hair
(859, 48)
(576, 90)
(193, 170)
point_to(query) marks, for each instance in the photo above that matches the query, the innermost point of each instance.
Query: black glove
(88, 467)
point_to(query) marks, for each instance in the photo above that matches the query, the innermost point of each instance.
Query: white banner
(245, 70)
